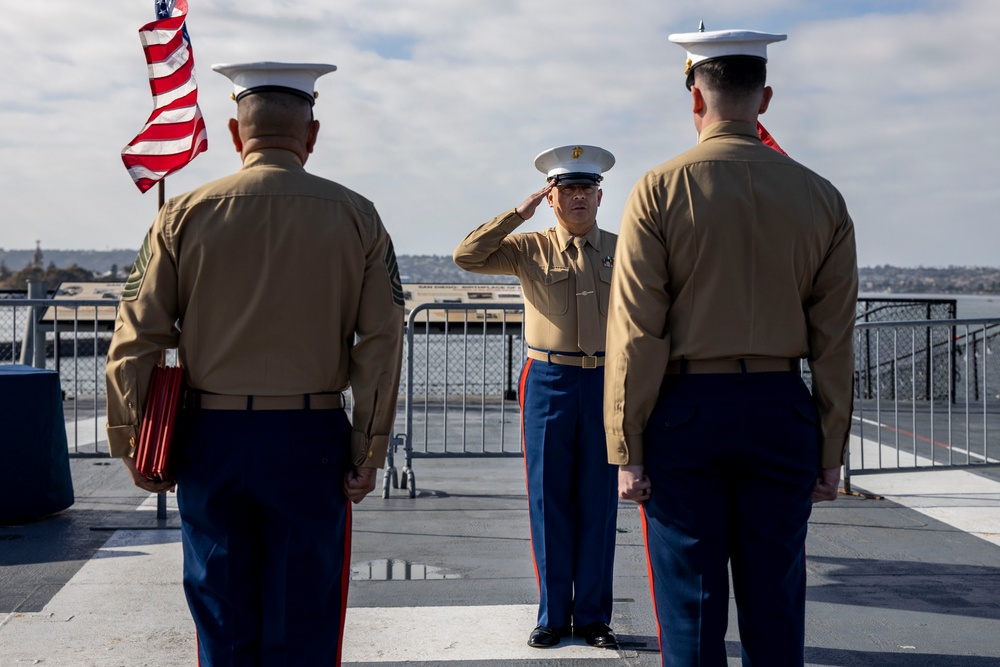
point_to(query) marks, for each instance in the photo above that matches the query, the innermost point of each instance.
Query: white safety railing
(927, 396)
(927, 392)
(70, 337)
(459, 387)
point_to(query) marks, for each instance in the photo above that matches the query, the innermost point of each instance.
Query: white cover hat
(712, 45)
(570, 165)
(296, 78)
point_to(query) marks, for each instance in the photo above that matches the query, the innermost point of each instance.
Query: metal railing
(901, 309)
(927, 396)
(459, 395)
(927, 392)
(72, 338)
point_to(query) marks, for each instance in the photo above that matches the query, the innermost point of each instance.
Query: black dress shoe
(597, 634)
(543, 637)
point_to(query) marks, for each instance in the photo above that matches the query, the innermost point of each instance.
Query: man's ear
(234, 131)
(697, 100)
(313, 134)
(766, 100)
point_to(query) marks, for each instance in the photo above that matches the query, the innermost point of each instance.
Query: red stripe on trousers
(524, 449)
(649, 567)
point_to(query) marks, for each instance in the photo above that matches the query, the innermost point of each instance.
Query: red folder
(152, 456)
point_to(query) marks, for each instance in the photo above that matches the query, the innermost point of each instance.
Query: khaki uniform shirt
(280, 283)
(543, 262)
(731, 250)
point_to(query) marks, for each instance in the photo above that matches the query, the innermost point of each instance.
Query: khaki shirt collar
(726, 128)
(565, 239)
(272, 156)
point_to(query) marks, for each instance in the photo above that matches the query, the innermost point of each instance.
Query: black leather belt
(205, 401)
(565, 359)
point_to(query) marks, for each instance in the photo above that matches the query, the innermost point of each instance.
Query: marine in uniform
(280, 291)
(734, 263)
(565, 275)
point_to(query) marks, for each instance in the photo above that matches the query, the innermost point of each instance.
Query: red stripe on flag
(150, 168)
(166, 144)
(162, 163)
(186, 102)
(171, 23)
(166, 132)
(177, 79)
(156, 51)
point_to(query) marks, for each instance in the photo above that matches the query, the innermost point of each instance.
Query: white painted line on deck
(151, 504)
(495, 633)
(908, 440)
(125, 606)
(961, 499)
(482, 633)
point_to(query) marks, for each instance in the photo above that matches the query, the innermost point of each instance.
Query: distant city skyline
(441, 269)
(437, 110)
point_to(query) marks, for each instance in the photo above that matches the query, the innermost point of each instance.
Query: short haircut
(736, 76)
(274, 113)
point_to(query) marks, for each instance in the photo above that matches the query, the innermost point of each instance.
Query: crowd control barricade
(461, 363)
(926, 396)
(926, 392)
(71, 337)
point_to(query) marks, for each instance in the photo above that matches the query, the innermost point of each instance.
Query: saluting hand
(358, 483)
(144, 482)
(528, 206)
(633, 484)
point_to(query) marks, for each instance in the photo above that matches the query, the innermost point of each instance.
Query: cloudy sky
(439, 107)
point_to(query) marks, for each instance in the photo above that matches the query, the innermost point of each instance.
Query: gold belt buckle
(590, 362)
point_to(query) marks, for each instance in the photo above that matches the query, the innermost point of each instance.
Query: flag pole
(161, 498)
(160, 200)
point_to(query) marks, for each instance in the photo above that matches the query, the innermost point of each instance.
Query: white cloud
(895, 110)
(439, 107)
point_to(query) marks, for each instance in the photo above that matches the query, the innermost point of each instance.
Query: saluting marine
(565, 275)
(285, 293)
(734, 263)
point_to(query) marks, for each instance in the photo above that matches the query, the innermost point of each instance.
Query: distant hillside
(413, 268)
(98, 261)
(441, 269)
(950, 280)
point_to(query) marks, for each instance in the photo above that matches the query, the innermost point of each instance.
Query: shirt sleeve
(638, 345)
(376, 356)
(830, 311)
(488, 250)
(144, 328)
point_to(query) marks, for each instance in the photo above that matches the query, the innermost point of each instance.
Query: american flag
(175, 132)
